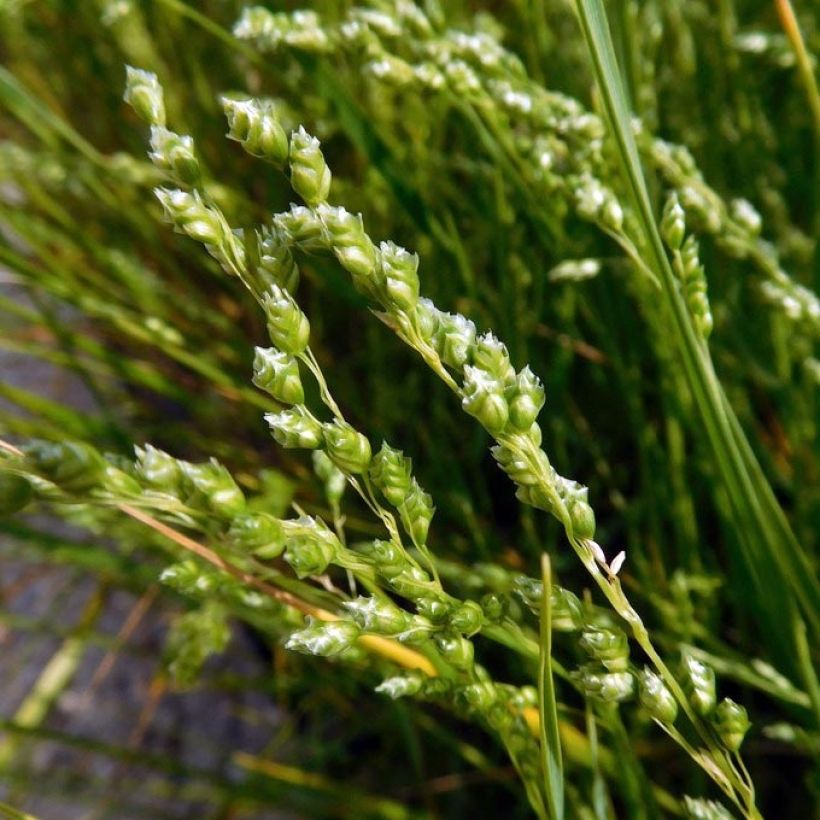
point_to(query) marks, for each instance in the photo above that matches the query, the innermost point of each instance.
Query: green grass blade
(10, 813)
(53, 680)
(39, 118)
(551, 759)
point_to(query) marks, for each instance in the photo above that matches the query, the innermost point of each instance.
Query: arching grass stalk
(391, 650)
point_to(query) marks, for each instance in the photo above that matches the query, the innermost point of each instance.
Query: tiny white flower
(617, 563)
(597, 552)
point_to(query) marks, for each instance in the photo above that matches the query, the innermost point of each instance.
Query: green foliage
(192, 638)
(587, 289)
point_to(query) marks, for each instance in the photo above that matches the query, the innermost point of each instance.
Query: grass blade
(10, 813)
(551, 759)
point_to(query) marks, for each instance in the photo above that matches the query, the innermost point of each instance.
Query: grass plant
(342, 362)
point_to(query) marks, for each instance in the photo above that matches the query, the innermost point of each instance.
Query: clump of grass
(597, 324)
